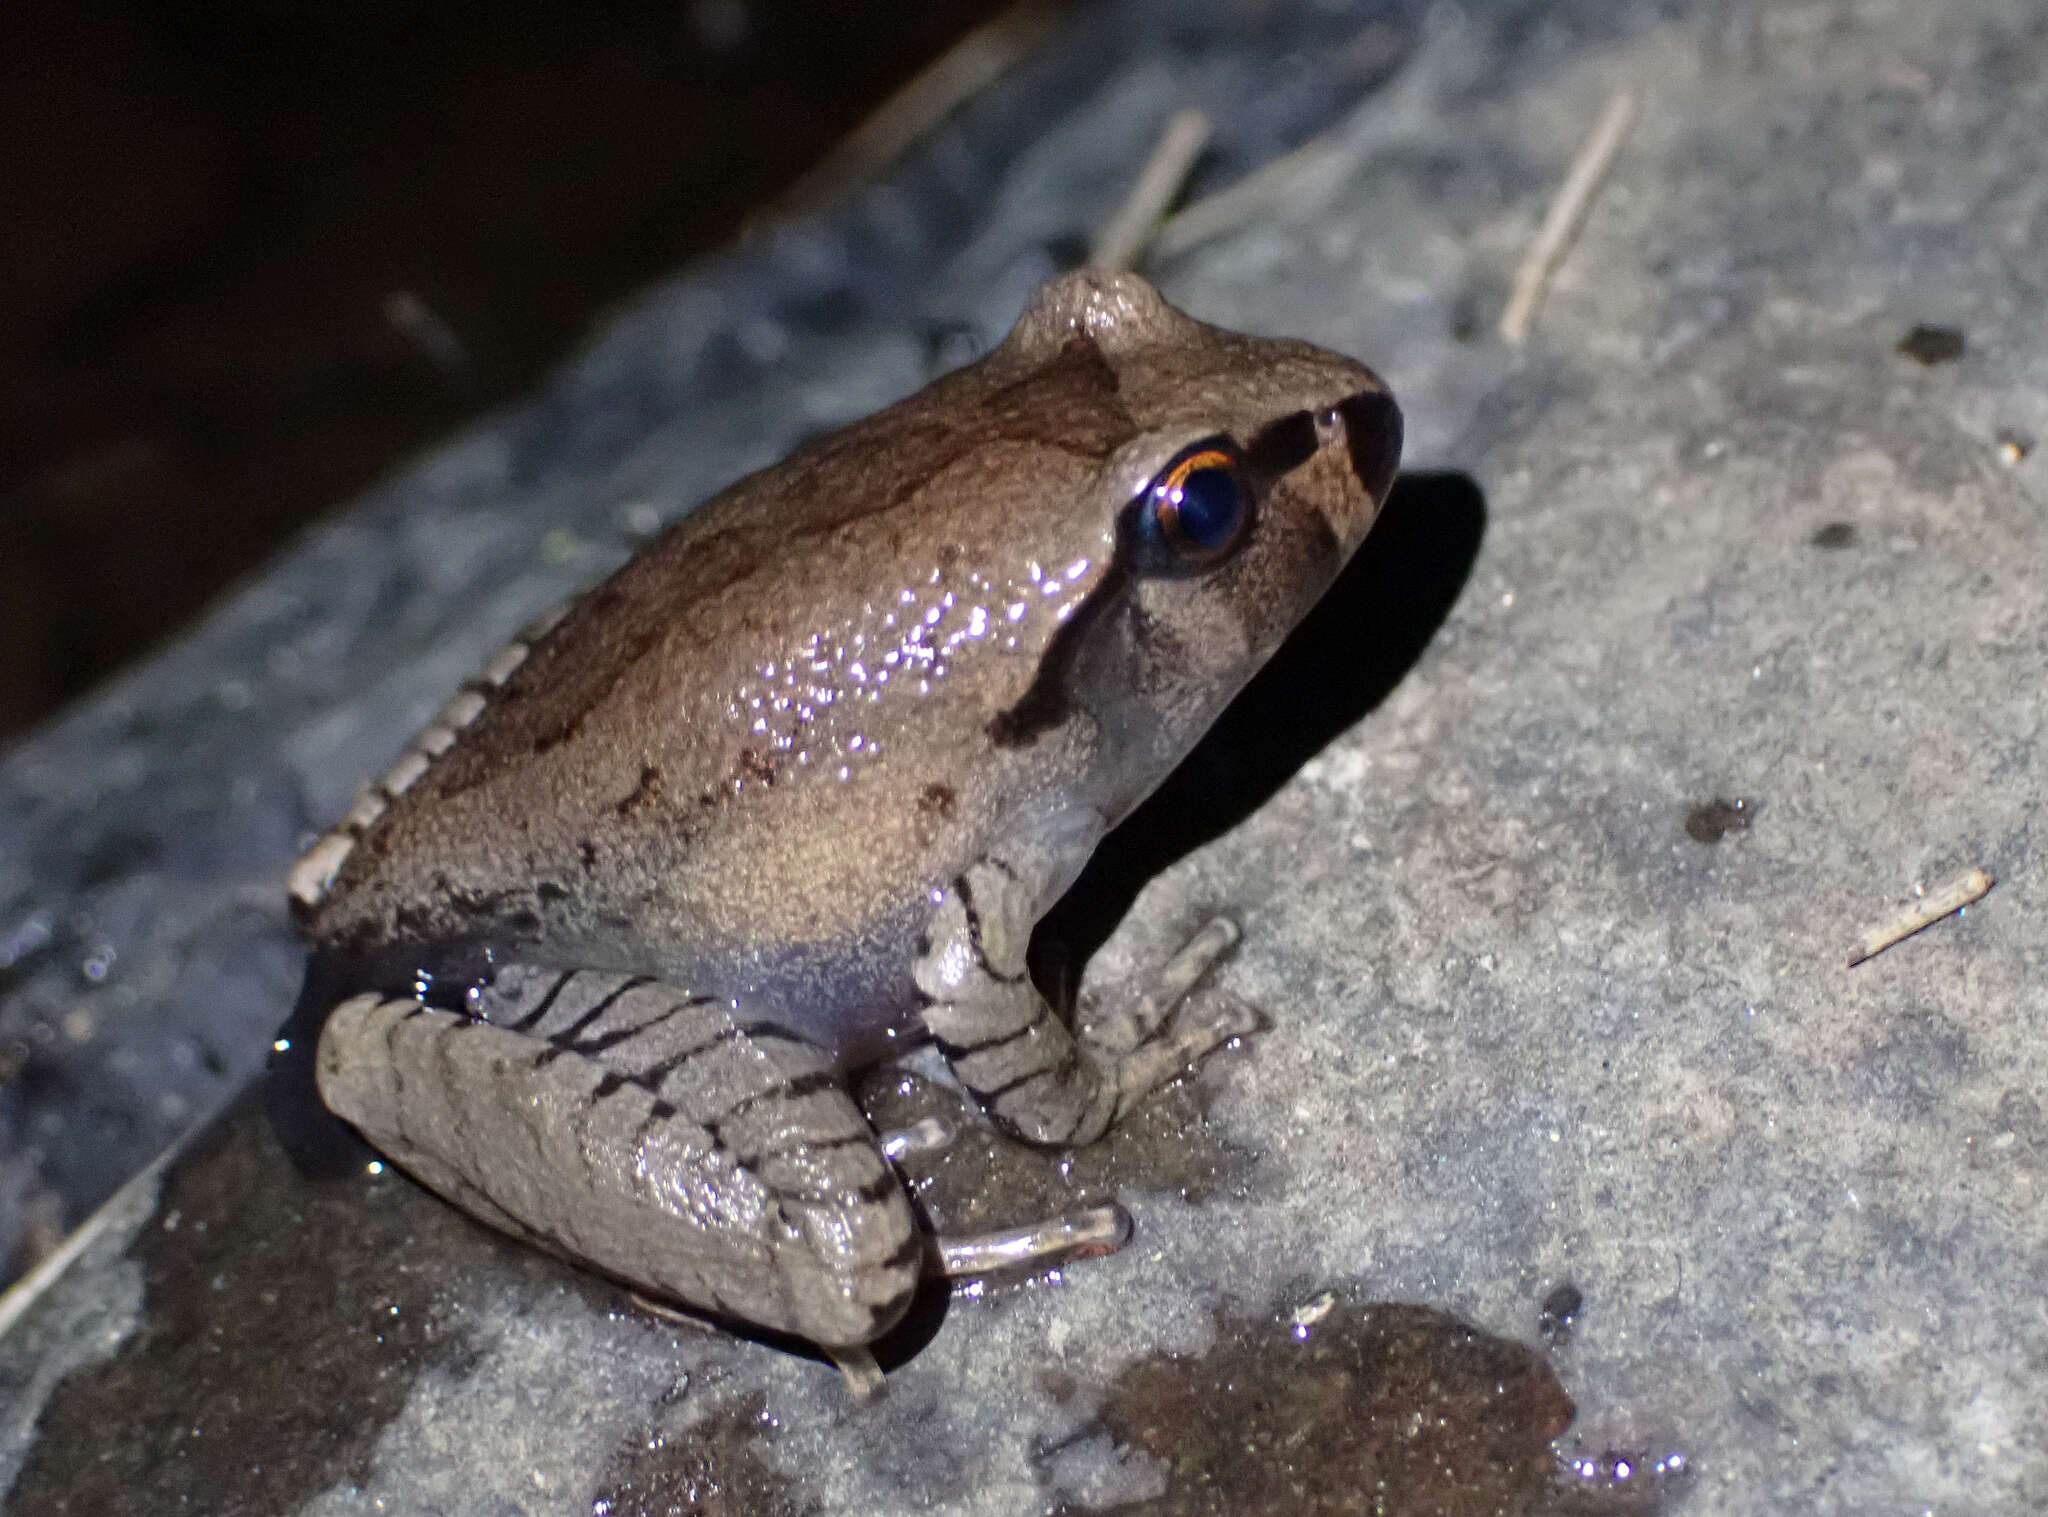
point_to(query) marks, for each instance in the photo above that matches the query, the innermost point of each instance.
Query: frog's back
(750, 760)
(764, 739)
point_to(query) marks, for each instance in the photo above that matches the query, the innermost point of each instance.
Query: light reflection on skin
(923, 631)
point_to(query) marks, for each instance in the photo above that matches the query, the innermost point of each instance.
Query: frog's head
(1252, 470)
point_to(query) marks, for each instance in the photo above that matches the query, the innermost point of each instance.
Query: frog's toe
(1124, 1027)
(1227, 1018)
(862, 1374)
(1168, 1055)
(928, 1135)
(1086, 1233)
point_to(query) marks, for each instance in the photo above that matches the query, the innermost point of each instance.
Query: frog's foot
(628, 1125)
(1010, 1049)
(1125, 1027)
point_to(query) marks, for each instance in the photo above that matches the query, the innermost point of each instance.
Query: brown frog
(793, 786)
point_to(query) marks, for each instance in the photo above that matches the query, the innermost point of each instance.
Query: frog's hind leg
(647, 1131)
(1009, 1047)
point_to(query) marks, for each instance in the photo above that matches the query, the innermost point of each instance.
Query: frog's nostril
(1372, 427)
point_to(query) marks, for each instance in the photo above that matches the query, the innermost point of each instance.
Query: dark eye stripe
(1279, 448)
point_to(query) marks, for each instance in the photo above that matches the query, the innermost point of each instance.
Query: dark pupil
(1208, 508)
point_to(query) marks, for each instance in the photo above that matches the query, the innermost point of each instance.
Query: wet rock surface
(1706, 633)
(1344, 1408)
(709, 1469)
(237, 1258)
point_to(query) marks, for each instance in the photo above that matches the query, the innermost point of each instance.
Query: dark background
(254, 252)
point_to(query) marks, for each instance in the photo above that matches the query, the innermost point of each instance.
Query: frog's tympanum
(792, 788)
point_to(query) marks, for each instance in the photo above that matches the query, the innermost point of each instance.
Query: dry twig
(1137, 220)
(1245, 201)
(1380, 117)
(1971, 885)
(951, 79)
(1567, 215)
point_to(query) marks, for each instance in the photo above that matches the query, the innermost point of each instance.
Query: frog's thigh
(649, 1133)
(1011, 1050)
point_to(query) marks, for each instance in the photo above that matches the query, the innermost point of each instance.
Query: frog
(786, 795)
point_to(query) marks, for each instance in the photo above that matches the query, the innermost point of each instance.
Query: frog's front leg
(1034, 1076)
(646, 1131)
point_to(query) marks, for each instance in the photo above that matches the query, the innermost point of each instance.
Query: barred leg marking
(765, 1095)
(1013, 1053)
(729, 1172)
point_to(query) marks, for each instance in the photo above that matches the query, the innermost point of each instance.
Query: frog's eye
(1196, 511)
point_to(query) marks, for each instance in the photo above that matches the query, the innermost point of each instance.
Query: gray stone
(1547, 1006)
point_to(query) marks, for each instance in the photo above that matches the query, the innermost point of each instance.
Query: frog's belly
(854, 998)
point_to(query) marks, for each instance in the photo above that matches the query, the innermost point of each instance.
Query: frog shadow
(1347, 656)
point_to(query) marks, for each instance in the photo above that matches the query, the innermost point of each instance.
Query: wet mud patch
(983, 1180)
(284, 1323)
(1711, 821)
(1929, 344)
(1378, 1410)
(709, 1469)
